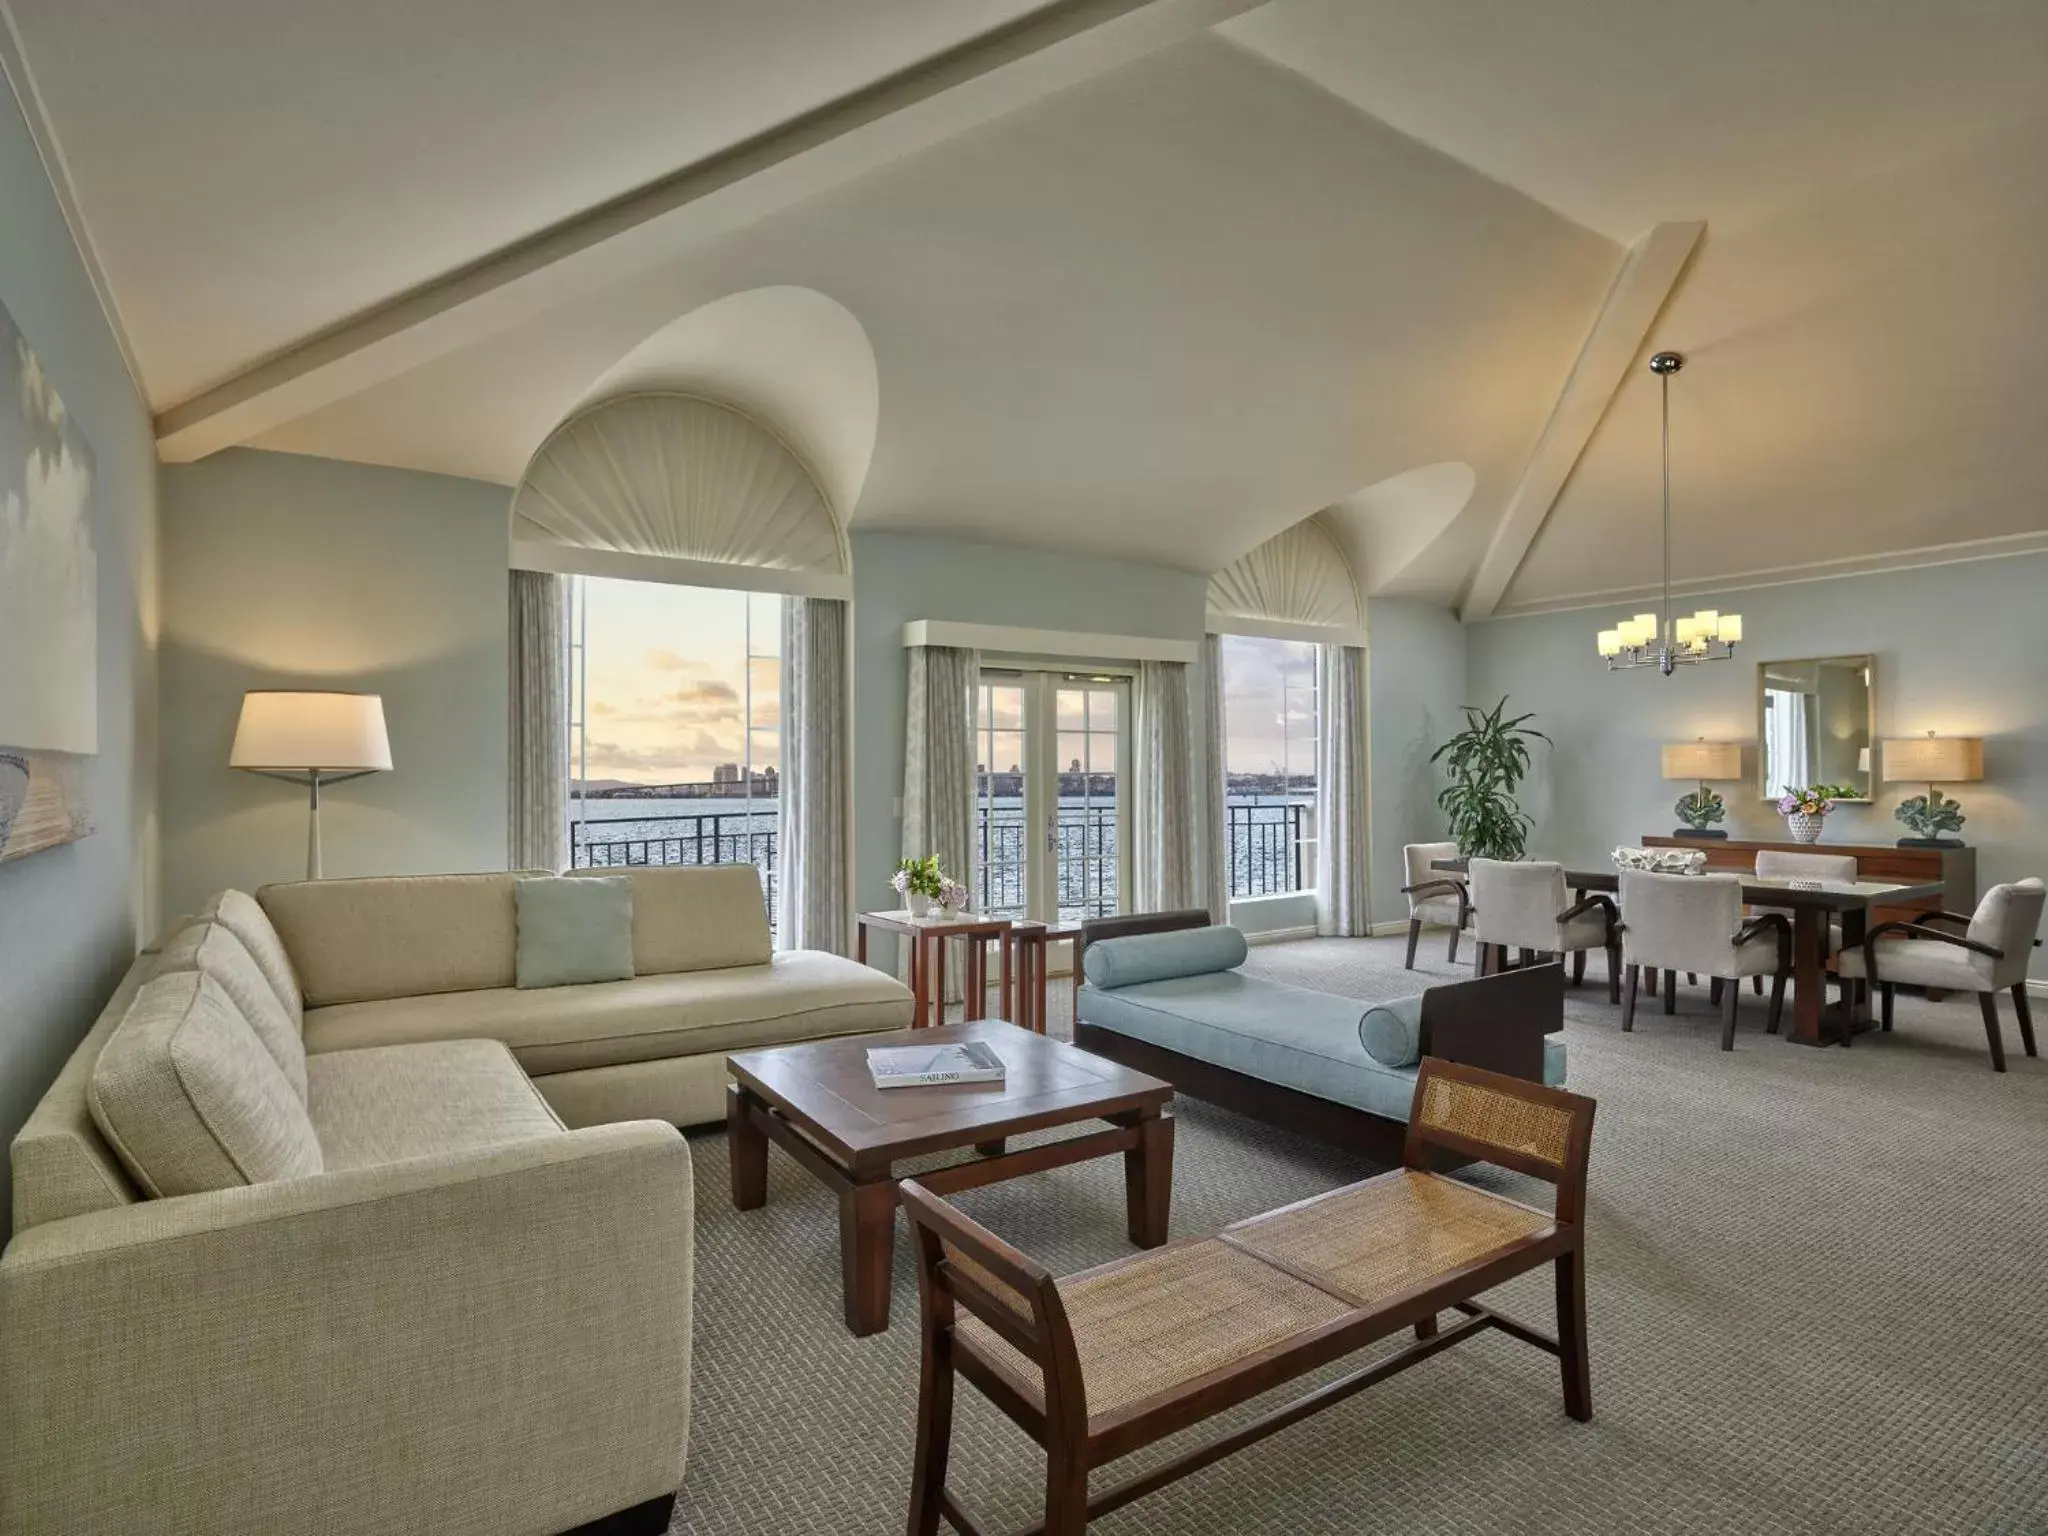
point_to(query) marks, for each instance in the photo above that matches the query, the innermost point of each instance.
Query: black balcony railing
(714, 837)
(1266, 851)
(1266, 848)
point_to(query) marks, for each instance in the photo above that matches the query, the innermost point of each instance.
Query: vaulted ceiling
(1153, 278)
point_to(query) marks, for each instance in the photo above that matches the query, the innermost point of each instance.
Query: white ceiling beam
(1645, 282)
(1059, 45)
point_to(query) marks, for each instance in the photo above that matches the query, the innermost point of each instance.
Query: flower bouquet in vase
(918, 882)
(1805, 810)
(952, 899)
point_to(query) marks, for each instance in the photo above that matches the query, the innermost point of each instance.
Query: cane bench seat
(1150, 1324)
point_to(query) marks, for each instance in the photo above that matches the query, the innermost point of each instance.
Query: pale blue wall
(281, 571)
(900, 577)
(1960, 649)
(1417, 682)
(69, 916)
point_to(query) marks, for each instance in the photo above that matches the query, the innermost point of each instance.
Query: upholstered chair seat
(1694, 923)
(1990, 955)
(1524, 905)
(1436, 897)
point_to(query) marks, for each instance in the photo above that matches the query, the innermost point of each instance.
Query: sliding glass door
(1051, 785)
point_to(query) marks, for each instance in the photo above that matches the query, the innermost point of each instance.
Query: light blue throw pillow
(1391, 1032)
(573, 931)
(1161, 956)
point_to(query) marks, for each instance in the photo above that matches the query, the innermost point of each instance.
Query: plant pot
(948, 914)
(1804, 828)
(920, 904)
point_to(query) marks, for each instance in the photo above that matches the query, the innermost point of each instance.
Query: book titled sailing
(921, 1066)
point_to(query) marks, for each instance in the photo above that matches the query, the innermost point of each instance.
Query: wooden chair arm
(1767, 922)
(1922, 931)
(1445, 887)
(1945, 917)
(1586, 904)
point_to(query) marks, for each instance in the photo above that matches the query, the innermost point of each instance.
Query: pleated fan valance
(1297, 583)
(677, 488)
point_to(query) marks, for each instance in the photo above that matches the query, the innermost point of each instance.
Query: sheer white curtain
(811, 900)
(539, 767)
(1342, 797)
(1162, 808)
(938, 757)
(1216, 830)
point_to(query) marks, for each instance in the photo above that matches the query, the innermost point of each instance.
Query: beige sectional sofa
(323, 1228)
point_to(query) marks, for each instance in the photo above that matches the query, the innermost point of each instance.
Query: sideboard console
(1956, 868)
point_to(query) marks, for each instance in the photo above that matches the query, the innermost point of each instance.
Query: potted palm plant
(1485, 762)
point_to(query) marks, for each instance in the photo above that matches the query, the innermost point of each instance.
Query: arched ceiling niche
(1388, 529)
(792, 358)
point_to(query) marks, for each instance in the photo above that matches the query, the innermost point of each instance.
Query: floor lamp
(311, 739)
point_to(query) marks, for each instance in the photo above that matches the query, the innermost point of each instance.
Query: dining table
(1811, 903)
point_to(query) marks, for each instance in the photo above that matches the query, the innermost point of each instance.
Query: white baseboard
(1395, 925)
(1281, 935)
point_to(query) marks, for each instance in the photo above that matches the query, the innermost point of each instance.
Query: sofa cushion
(190, 1099)
(1147, 957)
(798, 995)
(353, 941)
(212, 948)
(1290, 1036)
(398, 1101)
(240, 914)
(573, 931)
(1391, 1032)
(690, 917)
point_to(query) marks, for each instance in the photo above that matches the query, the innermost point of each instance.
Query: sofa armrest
(486, 1341)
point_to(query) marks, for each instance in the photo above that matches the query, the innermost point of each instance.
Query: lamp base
(1691, 832)
(1932, 842)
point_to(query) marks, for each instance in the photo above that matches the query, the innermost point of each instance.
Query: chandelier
(1651, 640)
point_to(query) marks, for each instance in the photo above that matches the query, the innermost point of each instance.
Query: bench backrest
(1543, 1132)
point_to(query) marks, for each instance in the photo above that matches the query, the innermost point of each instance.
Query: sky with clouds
(667, 676)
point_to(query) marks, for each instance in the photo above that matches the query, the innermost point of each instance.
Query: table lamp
(313, 739)
(1950, 759)
(1702, 760)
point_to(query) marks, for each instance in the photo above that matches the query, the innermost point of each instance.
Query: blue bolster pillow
(1391, 1032)
(1161, 956)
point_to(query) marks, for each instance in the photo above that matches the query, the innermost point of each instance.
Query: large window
(675, 729)
(1270, 719)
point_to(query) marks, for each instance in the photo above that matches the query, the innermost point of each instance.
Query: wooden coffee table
(817, 1102)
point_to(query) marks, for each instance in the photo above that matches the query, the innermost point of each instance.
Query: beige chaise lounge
(300, 1246)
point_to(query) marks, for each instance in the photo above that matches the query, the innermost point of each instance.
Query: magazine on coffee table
(922, 1066)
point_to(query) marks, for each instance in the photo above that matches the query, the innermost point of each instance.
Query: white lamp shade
(1703, 760)
(1935, 759)
(334, 732)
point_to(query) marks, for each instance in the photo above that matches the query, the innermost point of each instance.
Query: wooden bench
(1100, 1364)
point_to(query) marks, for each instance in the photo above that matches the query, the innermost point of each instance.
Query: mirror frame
(1870, 725)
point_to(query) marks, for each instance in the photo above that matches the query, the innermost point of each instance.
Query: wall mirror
(1816, 721)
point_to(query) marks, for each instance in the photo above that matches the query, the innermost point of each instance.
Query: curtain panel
(1342, 795)
(1215, 892)
(811, 899)
(938, 757)
(1162, 806)
(539, 767)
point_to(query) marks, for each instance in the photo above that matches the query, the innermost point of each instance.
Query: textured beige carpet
(1818, 1302)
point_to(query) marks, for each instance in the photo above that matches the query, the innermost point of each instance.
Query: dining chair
(1990, 956)
(1434, 896)
(1524, 904)
(1779, 864)
(1694, 923)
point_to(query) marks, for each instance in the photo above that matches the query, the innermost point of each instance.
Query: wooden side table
(1024, 971)
(928, 938)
